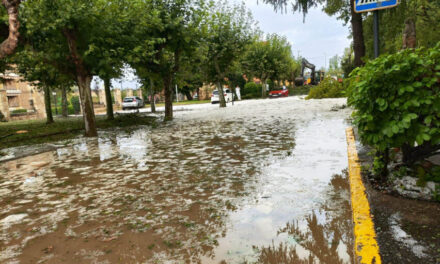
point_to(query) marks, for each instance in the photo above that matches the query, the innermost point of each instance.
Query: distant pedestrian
(237, 92)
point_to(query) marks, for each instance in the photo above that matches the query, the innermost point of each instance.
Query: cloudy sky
(317, 39)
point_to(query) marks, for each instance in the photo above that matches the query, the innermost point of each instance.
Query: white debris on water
(192, 173)
(400, 235)
(12, 219)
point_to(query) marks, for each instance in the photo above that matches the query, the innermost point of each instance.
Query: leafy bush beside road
(299, 90)
(251, 90)
(74, 101)
(328, 88)
(397, 102)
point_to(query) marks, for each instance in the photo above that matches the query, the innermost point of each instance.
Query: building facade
(19, 100)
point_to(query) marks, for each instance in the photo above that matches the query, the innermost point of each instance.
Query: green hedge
(397, 102)
(251, 90)
(18, 111)
(328, 88)
(74, 101)
(299, 90)
(70, 110)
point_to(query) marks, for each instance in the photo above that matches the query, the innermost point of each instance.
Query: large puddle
(259, 182)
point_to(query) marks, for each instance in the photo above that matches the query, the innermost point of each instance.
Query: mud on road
(261, 181)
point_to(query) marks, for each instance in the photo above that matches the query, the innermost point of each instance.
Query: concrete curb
(366, 247)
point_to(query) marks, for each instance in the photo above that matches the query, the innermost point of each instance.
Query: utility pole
(376, 33)
(177, 95)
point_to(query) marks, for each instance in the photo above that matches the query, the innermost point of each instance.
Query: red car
(279, 93)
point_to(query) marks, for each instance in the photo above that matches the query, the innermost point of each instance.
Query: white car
(132, 102)
(216, 99)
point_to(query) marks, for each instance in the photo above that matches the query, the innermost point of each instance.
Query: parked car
(279, 93)
(216, 99)
(132, 102)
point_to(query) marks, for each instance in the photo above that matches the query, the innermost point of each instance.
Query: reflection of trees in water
(320, 240)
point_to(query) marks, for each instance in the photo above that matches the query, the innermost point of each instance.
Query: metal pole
(177, 95)
(376, 32)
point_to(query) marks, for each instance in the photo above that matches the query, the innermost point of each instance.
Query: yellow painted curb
(366, 247)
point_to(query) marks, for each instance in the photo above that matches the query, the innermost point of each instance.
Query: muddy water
(261, 181)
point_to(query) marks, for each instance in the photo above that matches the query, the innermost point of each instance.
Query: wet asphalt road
(261, 181)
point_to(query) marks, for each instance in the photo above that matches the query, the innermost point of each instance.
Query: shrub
(251, 90)
(300, 90)
(397, 103)
(70, 110)
(328, 88)
(74, 101)
(18, 111)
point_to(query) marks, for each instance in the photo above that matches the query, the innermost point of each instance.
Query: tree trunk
(64, 111)
(168, 99)
(409, 35)
(83, 80)
(188, 95)
(108, 99)
(152, 97)
(221, 95)
(87, 105)
(48, 107)
(385, 158)
(198, 93)
(358, 36)
(7, 47)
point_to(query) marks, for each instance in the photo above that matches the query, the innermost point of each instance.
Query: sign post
(374, 5)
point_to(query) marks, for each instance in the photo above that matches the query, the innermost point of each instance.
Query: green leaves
(399, 105)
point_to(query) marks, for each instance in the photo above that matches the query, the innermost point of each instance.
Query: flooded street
(262, 181)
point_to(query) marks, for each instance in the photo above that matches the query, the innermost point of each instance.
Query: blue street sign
(370, 5)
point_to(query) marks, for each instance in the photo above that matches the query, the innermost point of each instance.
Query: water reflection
(141, 195)
(206, 190)
(324, 236)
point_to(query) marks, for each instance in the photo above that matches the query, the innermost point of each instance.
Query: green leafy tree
(162, 38)
(334, 66)
(31, 66)
(229, 30)
(424, 13)
(72, 36)
(347, 62)
(343, 9)
(268, 59)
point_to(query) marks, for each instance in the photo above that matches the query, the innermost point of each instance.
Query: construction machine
(315, 77)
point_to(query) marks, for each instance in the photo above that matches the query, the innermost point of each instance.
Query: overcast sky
(317, 39)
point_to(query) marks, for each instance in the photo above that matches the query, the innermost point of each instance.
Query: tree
(268, 59)
(31, 66)
(334, 66)
(425, 15)
(8, 46)
(229, 30)
(162, 38)
(72, 36)
(344, 9)
(347, 62)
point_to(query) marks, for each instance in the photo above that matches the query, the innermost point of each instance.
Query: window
(13, 101)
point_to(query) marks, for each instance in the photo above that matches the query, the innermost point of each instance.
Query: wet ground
(408, 230)
(262, 181)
